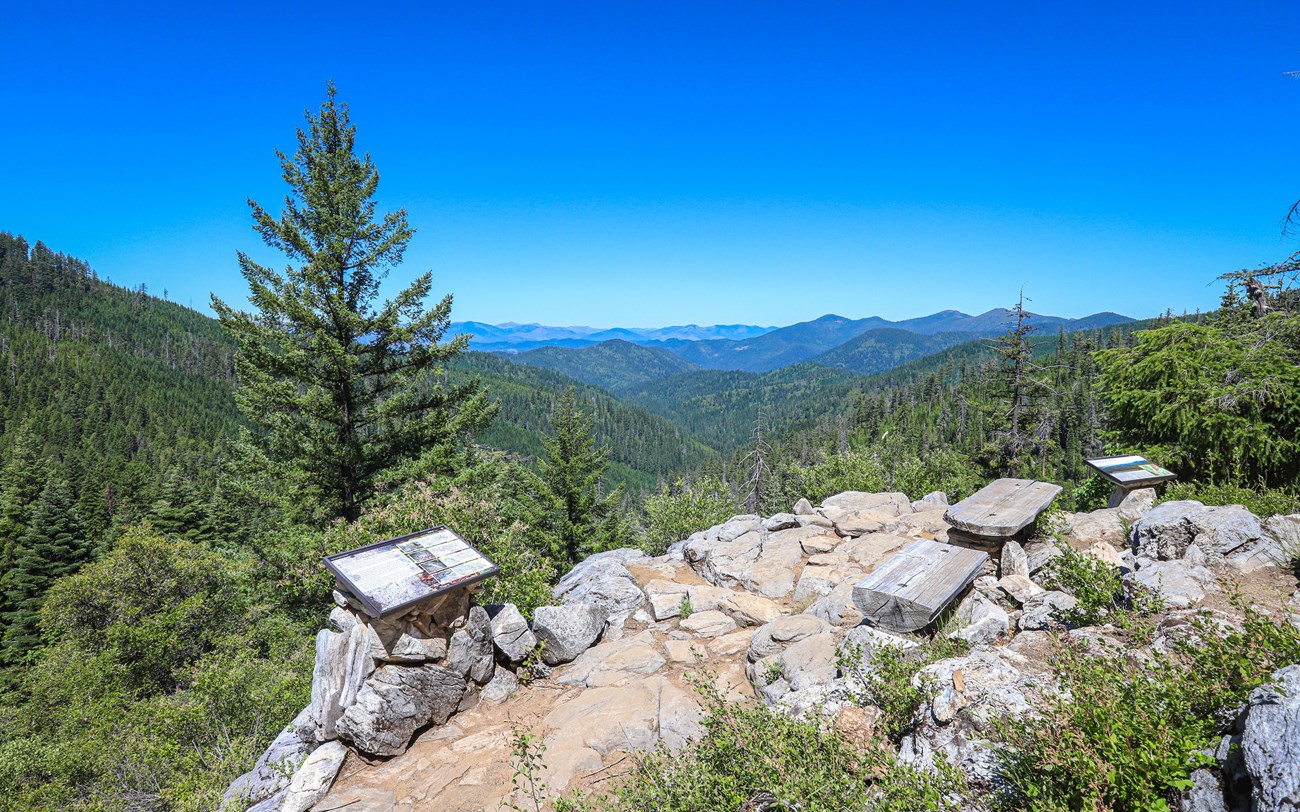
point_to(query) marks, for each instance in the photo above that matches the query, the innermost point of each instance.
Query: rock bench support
(907, 592)
(999, 511)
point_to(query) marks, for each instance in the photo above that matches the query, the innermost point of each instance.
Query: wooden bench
(907, 592)
(999, 511)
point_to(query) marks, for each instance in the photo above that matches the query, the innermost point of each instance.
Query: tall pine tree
(582, 519)
(53, 545)
(340, 386)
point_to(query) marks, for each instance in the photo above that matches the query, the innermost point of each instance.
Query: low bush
(1126, 733)
(886, 682)
(1102, 593)
(749, 754)
(1260, 500)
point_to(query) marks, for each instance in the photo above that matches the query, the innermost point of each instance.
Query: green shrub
(1103, 595)
(1127, 733)
(886, 682)
(748, 750)
(1261, 501)
(1091, 494)
(687, 506)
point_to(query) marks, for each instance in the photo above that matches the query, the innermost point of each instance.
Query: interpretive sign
(1131, 471)
(392, 575)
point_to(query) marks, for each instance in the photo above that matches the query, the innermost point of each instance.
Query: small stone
(1019, 588)
(501, 687)
(750, 610)
(781, 521)
(1014, 560)
(510, 632)
(708, 624)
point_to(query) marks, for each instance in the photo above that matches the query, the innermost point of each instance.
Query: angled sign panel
(393, 575)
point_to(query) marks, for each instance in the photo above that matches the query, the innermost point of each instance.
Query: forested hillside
(643, 447)
(114, 406)
(609, 364)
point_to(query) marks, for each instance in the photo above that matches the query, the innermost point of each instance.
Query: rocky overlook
(418, 712)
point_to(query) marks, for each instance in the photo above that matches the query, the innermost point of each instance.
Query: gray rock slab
(313, 779)
(510, 632)
(395, 702)
(567, 631)
(1271, 742)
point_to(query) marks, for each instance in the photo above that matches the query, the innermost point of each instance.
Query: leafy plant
(526, 780)
(684, 609)
(888, 680)
(1102, 594)
(1125, 733)
(1260, 500)
(750, 753)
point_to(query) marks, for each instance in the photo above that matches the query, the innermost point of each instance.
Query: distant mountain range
(519, 337)
(762, 349)
(882, 344)
(859, 346)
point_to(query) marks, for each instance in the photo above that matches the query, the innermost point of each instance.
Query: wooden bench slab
(1002, 508)
(908, 591)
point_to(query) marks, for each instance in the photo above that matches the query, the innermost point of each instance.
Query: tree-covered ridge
(643, 447)
(609, 364)
(720, 407)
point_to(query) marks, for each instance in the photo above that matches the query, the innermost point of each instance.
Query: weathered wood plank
(908, 591)
(1002, 508)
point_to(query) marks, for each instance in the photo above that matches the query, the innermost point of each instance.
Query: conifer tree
(53, 545)
(339, 385)
(582, 519)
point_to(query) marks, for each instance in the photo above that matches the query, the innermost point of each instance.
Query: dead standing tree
(759, 473)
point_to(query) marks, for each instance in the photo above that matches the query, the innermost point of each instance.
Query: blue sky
(652, 164)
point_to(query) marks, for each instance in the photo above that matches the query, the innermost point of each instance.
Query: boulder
(889, 503)
(983, 621)
(666, 598)
(503, 685)
(781, 521)
(603, 580)
(395, 702)
(342, 620)
(1019, 588)
(773, 637)
(1271, 742)
(1166, 531)
(1180, 583)
(934, 500)
(1042, 611)
(313, 779)
(415, 647)
(276, 765)
(567, 631)
(803, 508)
(343, 661)
(510, 632)
(1204, 795)
(470, 653)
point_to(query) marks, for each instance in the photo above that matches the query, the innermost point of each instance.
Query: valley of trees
(169, 487)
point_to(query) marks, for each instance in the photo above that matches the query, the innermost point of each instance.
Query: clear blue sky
(662, 163)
